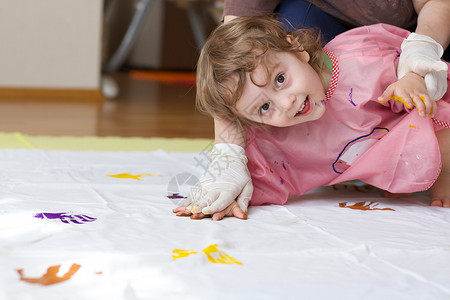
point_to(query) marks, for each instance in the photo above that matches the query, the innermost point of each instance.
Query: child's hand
(422, 55)
(233, 210)
(227, 179)
(412, 92)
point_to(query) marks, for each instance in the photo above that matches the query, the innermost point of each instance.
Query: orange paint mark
(51, 276)
(364, 206)
(130, 176)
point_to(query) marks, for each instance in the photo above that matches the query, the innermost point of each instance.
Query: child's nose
(287, 101)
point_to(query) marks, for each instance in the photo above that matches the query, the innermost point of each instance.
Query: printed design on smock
(213, 254)
(364, 188)
(356, 148)
(363, 206)
(65, 217)
(51, 276)
(131, 176)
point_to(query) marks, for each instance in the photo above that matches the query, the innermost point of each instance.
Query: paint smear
(176, 196)
(401, 100)
(412, 126)
(51, 277)
(359, 188)
(213, 254)
(180, 253)
(65, 217)
(350, 97)
(219, 257)
(130, 176)
(364, 206)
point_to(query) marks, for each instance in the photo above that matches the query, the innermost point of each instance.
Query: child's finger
(179, 209)
(182, 211)
(245, 196)
(206, 200)
(199, 216)
(386, 96)
(433, 109)
(428, 105)
(224, 200)
(218, 215)
(231, 211)
(419, 103)
(404, 99)
(239, 213)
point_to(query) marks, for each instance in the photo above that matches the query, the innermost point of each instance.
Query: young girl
(315, 116)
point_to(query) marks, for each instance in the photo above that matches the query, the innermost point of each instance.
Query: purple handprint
(66, 218)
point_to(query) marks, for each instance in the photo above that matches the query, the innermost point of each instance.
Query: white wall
(50, 44)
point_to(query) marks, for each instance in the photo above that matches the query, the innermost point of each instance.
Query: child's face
(288, 91)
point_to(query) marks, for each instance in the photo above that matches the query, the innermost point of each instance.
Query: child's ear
(293, 41)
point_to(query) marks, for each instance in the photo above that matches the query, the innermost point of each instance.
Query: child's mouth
(305, 108)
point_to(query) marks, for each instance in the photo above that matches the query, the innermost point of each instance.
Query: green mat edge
(18, 140)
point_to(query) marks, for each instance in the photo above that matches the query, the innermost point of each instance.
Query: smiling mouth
(305, 108)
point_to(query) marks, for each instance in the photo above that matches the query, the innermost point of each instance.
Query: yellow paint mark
(213, 254)
(364, 206)
(218, 257)
(51, 276)
(412, 126)
(179, 253)
(400, 99)
(130, 176)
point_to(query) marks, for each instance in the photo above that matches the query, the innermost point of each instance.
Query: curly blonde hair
(238, 47)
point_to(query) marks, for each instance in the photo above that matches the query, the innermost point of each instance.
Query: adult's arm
(434, 20)
(248, 7)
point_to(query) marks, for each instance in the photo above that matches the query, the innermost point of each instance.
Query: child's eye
(280, 79)
(264, 108)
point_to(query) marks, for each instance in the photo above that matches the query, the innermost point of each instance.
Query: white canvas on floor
(99, 225)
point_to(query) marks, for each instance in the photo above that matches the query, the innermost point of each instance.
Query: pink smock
(357, 137)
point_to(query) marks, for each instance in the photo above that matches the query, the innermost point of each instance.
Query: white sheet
(120, 237)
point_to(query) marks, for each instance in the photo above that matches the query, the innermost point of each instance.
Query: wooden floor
(142, 109)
